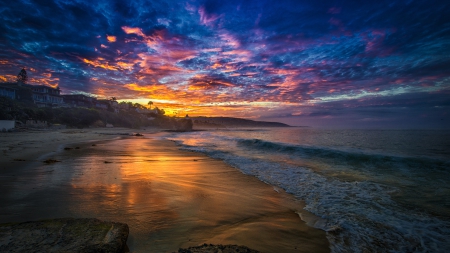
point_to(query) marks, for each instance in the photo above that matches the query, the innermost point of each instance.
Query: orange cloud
(125, 65)
(97, 63)
(111, 38)
(47, 81)
(102, 63)
(150, 88)
(216, 65)
(155, 91)
(133, 30)
(8, 78)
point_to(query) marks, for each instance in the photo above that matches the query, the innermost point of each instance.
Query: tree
(160, 111)
(113, 99)
(150, 103)
(22, 76)
(137, 105)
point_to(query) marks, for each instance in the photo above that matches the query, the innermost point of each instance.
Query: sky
(346, 64)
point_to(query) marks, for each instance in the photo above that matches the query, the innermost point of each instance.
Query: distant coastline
(224, 122)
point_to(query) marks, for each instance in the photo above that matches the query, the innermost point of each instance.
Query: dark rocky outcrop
(64, 235)
(210, 248)
(183, 125)
(219, 122)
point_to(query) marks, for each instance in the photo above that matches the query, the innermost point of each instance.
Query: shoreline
(23, 148)
(197, 199)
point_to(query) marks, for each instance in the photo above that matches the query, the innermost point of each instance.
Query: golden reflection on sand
(172, 199)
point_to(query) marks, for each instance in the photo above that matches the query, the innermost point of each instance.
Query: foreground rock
(64, 235)
(210, 248)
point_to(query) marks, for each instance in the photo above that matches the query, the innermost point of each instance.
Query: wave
(349, 157)
(358, 216)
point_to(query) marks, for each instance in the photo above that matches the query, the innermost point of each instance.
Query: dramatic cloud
(324, 63)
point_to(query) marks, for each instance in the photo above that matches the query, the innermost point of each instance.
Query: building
(45, 96)
(7, 92)
(102, 104)
(124, 106)
(79, 100)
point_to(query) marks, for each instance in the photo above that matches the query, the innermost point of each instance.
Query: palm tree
(150, 103)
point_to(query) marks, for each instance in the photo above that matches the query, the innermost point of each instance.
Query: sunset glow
(302, 63)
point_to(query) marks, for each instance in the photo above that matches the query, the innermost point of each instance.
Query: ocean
(373, 190)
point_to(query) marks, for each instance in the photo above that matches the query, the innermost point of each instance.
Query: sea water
(374, 190)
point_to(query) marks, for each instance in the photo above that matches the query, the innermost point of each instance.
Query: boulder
(211, 248)
(183, 125)
(64, 235)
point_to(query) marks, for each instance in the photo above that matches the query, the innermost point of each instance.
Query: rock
(64, 235)
(98, 123)
(210, 248)
(184, 125)
(49, 161)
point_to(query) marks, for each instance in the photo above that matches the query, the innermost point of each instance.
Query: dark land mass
(222, 122)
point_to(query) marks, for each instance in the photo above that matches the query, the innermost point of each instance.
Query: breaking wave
(358, 216)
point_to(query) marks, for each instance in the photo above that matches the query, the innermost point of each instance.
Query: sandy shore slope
(169, 198)
(24, 147)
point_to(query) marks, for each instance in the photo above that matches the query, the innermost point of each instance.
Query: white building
(45, 96)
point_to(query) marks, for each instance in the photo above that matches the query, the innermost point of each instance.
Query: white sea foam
(359, 216)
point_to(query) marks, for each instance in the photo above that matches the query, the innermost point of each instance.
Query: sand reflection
(169, 198)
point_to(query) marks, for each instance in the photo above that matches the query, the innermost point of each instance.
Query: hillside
(221, 122)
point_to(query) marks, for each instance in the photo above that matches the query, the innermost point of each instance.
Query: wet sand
(21, 148)
(169, 198)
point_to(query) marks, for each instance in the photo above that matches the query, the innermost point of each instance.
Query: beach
(21, 148)
(170, 198)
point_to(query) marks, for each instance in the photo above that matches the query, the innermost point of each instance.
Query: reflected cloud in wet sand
(170, 199)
